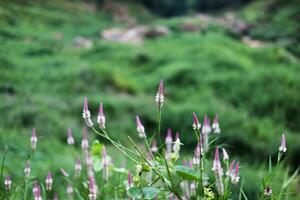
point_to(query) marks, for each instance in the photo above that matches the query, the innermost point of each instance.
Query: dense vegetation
(44, 78)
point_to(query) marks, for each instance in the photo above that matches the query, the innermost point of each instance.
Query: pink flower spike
(177, 135)
(282, 147)
(140, 128)
(70, 139)
(101, 117)
(78, 168)
(196, 124)
(49, 181)
(235, 174)
(33, 139)
(84, 142)
(225, 155)
(159, 98)
(27, 169)
(7, 183)
(55, 196)
(206, 125)
(129, 179)
(197, 155)
(154, 146)
(216, 126)
(169, 136)
(92, 188)
(86, 115)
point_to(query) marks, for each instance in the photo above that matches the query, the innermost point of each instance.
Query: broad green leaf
(120, 170)
(186, 172)
(150, 192)
(135, 193)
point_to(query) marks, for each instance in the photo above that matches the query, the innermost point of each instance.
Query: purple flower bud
(206, 125)
(78, 168)
(231, 169)
(140, 128)
(86, 115)
(7, 183)
(168, 142)
(84, 141)
(70, 138)
(282, 147)
(216, 126)
(196, 124)
(217, 168)
(33, 139)
(154, 148)
(197, 155)
(49, 181)
(159, 98)
(101, 117)
(92, 189)
(27, 169)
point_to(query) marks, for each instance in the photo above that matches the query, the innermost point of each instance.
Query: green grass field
(44, 78)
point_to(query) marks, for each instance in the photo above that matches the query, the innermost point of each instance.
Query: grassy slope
(43, 81)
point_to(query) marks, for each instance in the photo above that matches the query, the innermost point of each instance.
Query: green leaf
(120, 170)
(135, 193)
(186, 172)
(150, 192)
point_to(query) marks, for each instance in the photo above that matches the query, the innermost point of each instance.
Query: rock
(156, 32)
(81, 42)
(253, 43)
(189, 27)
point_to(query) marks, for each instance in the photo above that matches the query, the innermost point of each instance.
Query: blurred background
(236, 58)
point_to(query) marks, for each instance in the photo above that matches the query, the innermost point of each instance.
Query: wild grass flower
(154, 148)
(92, 189)
(33, 139)
(70, 139)
(197, 155)
(140, 128)
(49, 181)
(282, 147)
(168, 142)
(27, 169)
(176, 148)
(129, 180)
(217, 168)
(86, 114)
(267, 191)
(225, 155)
(206, 129)
(84, 141)
(55, 196)
(159, 97)
(37, 192)
(7, 183)
(196, 124)
(101, 117)
(89, 164)
(235, 174)
(70, 191)
(216, 125)
(64, 172)
(78, 168)
(231, 169)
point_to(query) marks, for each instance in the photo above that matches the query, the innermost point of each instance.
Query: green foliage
(186, 172)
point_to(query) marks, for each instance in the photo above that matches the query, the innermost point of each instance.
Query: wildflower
(193, 189)
(154, 148)
(282, 147)
(86, 115)
(196, 124)
(37, 193)
(70, 191)
(235, 175)
(105, 164)
(159, 97)
(140, 128)
(7, 183)
(49, 181)
(197, 155)
(78, 168)
(231, 169)
(92, 189)
(55, 196)
(101, 117)
(267, 191)
(168, 142)
(27, 169)
(206, 125)
(33, 139)
(129, 180)
(217, 168)
(70, 138)
(84, 142)
(215, 125)
(176, 147)
(64, 173)
(225, 155)
(89, 164)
